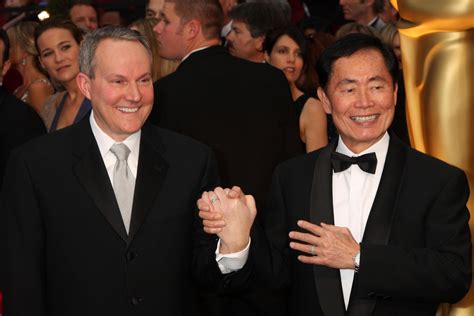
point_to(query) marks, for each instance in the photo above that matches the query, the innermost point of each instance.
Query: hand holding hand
(230, 214)
(328, 245)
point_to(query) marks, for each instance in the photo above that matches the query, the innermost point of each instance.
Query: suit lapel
(91, 173)
(379, 223)
(150, 175)
(327, 280)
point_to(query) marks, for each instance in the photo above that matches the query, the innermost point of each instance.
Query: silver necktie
(123, 183)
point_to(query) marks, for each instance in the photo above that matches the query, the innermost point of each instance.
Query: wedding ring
(312, 250)
(214, 199)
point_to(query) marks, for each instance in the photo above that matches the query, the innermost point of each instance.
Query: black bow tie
(367, 162)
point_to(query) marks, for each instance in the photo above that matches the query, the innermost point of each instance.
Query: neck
(201, 44)
(365, 20)
(71, 88)
(258, 57)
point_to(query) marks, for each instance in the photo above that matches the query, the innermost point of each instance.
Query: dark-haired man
(365, 226)
(83, 14)
(251, 23)
(364, 12)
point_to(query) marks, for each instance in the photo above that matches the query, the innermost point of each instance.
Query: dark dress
(83, 110)
(299, 104)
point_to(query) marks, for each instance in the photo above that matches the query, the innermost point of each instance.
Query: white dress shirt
(354, 192)
(104, 142)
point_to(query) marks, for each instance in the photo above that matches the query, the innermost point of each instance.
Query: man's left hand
(327, 245)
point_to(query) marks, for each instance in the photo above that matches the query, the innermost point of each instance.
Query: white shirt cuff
(232, 261)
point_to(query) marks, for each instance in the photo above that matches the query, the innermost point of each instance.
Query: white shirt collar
(193, 51)
(226, 29)
(104, 142)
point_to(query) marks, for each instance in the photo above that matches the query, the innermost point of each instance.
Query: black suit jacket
(242, 110)
(416, 248)
(18, 123)
(67, 250)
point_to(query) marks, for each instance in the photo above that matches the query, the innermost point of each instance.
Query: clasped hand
(229, 214)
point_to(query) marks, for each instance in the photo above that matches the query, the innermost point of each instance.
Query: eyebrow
(371, 79)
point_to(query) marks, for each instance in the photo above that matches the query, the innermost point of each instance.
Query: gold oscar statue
(437, 42)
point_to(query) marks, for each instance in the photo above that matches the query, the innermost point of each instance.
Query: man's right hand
(230, 214)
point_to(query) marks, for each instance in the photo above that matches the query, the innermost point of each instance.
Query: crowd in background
(55, 97)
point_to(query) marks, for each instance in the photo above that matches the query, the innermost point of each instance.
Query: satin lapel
(91, 173)
(379, 223)
(377, 230)
(150, 175)
(327, 280)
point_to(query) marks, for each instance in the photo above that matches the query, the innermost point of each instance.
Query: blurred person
(161, 67)
(36, 87)
(286, 49)
(84, 14)
(354, 27)
(389, 14)
(111, 17)
(227, 6)
(250, 23)
(391, 37)
(18, 121)
(99, 218)
(364, 12)
(57, 41)
(153, 8)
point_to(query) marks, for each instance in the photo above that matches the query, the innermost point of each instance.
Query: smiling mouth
(364, 119)
(289, 69)
(128, 110)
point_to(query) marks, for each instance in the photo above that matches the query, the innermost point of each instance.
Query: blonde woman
(36, 87)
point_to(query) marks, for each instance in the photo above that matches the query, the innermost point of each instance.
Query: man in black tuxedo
(18, 121)
(242, 110)
(364, 226)
(99, 218)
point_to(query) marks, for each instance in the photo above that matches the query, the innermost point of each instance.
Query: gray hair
(92, 40)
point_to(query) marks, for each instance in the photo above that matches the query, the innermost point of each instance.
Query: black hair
(292, 32)
(260, 17)
(349, 45)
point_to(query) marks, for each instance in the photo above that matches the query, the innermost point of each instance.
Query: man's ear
(192, 29)
(6, 67)
(325, 100)
(259, 43)
(84, 84)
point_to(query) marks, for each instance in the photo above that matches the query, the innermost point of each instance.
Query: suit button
(136, 300)
(371, 295)
(131, 256)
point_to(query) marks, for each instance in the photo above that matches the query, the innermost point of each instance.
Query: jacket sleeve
(440, 271)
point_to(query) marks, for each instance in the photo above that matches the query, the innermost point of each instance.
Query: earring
(23, 62)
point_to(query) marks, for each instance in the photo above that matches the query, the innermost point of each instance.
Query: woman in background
(57, 41)
(36, 87)
(286, 49)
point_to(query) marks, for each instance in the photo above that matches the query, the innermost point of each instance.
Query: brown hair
(58, 22)
(208, 12)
